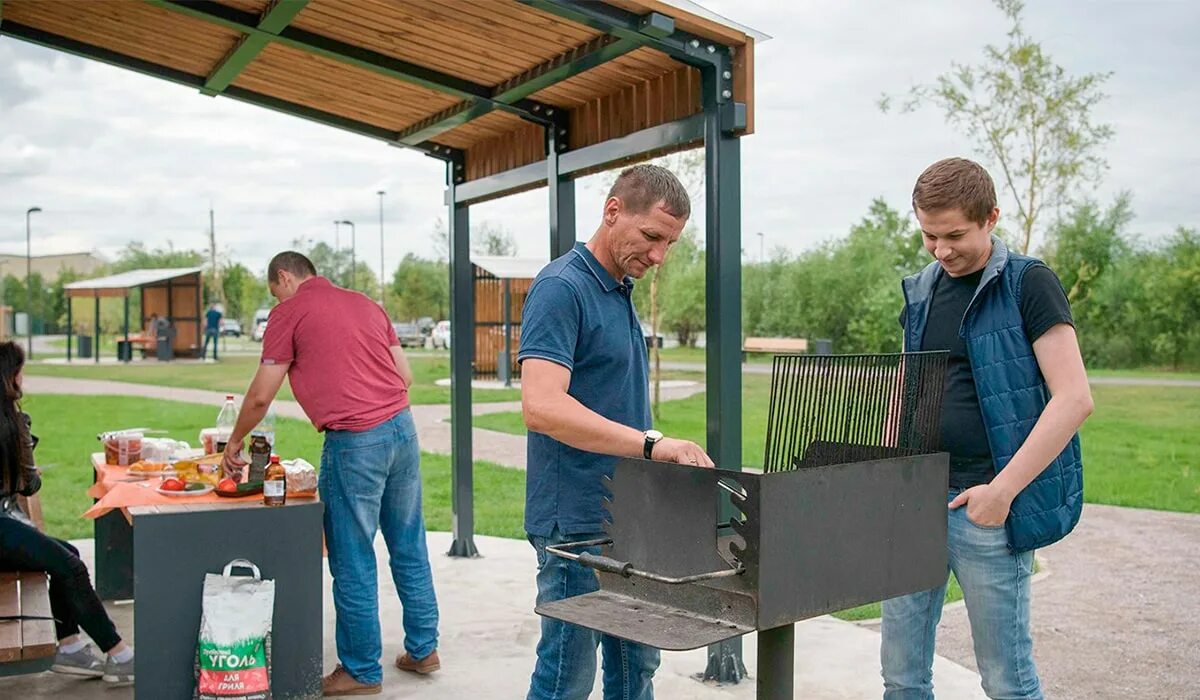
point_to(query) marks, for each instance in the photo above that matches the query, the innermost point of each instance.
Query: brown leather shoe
(340, 682)
(429, 664)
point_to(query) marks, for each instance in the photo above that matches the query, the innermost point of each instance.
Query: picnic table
(157, 549)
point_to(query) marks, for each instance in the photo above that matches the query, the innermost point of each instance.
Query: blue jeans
(566, 653)
(215, 337)
(371, 481)
(995, 586)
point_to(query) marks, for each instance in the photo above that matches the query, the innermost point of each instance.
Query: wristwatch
(652, 437)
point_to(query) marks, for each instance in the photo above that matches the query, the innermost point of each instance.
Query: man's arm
(550, 410)
(1058, 357)
(402, 366)
(259, 396)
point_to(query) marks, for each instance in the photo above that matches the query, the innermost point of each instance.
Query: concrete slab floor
(489, 632)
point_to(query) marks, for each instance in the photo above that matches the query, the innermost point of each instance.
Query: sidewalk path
(1117, 616)
(432, 421)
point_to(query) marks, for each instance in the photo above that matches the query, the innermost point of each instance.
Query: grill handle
(625, 569)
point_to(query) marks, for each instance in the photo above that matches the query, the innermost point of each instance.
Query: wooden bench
(26, 646)
(774, 345)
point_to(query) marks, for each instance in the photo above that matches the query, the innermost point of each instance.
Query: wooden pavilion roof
(475, 82)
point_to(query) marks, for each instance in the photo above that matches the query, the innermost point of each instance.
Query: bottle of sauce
(275, 483)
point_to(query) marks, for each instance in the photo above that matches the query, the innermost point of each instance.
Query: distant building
(51, 266)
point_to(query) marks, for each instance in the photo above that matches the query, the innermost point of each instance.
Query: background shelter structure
(175, 294)
(501, 285)
(511, 94)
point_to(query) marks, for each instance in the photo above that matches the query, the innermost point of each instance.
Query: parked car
(440, 335)
(425, 323)
(410, 335)
(231, 326)
(259, 329)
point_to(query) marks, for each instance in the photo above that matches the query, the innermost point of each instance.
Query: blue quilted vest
(1012, 392)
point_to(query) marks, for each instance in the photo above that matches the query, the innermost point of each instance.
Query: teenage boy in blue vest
(1015, 396)
(584, 394)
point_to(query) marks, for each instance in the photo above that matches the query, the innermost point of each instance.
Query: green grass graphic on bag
(233, 659)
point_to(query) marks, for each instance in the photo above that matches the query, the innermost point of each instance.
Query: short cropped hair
(956, 183)
(642, 186)
(296, 263)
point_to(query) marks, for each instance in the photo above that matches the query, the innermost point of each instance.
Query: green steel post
(562, 194)
(723, 323)
(462, 351)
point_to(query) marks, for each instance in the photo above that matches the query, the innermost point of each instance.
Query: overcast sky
(112, 156)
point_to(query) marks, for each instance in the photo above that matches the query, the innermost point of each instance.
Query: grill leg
(776, 663)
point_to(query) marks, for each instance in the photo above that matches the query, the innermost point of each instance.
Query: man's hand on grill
(987, 505)
(680, 452)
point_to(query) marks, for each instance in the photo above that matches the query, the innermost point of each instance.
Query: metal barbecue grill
(850, 509)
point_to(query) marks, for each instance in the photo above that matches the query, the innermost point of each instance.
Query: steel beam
(273, 20)
(682, 46)
(77, 48)
(588, 159)
(349, 54)
(723, 323)
(462, 350)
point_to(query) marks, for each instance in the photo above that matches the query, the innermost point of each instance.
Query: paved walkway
(487, 646)
(1116, 616)
(432, 421)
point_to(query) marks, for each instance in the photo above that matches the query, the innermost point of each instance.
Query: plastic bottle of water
(226, 420)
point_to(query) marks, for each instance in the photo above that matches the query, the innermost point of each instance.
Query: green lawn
(67, 428)
(233, 374)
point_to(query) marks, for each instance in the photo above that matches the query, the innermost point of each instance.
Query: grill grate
(835, 409)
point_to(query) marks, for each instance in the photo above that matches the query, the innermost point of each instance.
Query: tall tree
(1028, 116)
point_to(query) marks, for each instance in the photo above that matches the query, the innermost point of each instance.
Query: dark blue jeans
(370, 481)
(215, 337)
(566, 653)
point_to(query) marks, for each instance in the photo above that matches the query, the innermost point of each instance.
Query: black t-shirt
(1043, 305)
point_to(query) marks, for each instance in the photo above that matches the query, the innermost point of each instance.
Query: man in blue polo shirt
(584, 394)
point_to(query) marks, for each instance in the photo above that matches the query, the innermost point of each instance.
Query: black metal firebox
(850, 509)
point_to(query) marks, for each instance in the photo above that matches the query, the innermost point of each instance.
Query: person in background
(23, 547)
(212, 329)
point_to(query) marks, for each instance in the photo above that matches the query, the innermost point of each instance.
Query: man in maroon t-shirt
(350, 375)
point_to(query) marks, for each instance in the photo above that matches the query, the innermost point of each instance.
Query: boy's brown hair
(956, 183)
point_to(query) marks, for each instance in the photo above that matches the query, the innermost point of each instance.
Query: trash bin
(124, 350)
(85, 347)
(164, 348)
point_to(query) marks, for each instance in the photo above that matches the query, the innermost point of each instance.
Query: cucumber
(250, 486)
(194, 487)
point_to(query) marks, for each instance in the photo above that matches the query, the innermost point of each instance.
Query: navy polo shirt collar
(602, 275)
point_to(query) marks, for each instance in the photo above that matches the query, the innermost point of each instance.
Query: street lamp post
(337, 249)
(761, 257)
(352, 247)
(29, 281)
(381, 268)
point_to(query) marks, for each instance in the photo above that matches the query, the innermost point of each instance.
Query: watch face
(654, 435)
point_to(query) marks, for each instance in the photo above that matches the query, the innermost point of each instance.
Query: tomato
(228, 485)
(172, 485)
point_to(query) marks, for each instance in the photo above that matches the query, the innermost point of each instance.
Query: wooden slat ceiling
(486, 42)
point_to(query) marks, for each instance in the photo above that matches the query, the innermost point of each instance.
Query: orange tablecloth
(113, 491)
